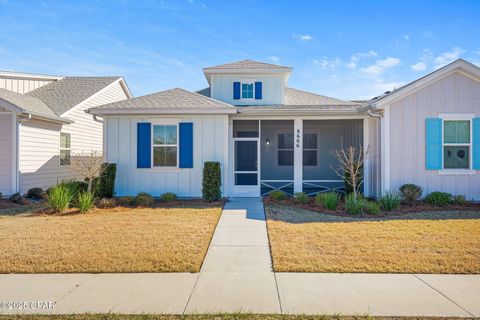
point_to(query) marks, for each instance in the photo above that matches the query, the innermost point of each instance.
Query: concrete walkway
(237, 276)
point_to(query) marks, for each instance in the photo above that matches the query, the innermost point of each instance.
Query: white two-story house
(269, 136)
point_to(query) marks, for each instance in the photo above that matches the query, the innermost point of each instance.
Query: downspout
(17, 171)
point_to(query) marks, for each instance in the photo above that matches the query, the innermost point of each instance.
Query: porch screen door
(246, 168)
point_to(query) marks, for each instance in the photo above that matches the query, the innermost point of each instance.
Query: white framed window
(457, 142)
(165, 145)
(65, 148)
(285, 149)
(247, 90)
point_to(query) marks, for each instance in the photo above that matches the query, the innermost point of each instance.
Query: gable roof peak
(246, 64)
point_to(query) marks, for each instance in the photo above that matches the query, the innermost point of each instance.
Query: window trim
(60, 148)
(252, 82)
(284, 149)
(177, 145)
(457, 117)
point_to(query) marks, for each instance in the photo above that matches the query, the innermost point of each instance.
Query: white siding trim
(298, 155)
(385, 150)
(366, 168)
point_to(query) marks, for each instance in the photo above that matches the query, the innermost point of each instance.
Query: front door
(245, 172)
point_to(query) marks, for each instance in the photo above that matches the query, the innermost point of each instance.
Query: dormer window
(247, 90)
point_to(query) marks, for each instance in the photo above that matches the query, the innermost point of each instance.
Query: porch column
(298, 156)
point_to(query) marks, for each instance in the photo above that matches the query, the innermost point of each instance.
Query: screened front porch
(290, 155)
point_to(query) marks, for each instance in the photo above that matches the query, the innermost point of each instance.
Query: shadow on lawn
(298, 215)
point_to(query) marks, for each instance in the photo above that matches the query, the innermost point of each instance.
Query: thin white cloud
(373, 69)
(381, 65)
(405, 37)
(353, 63)
(274, 58)
(447, 57)
(388, 62)
(419, 66)
(303, 37)
(325, 62)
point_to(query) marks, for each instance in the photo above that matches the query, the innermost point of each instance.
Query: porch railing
(322, 186)
(271, 185)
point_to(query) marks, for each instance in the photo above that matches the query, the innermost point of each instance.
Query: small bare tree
(350, 165)
(88, 165)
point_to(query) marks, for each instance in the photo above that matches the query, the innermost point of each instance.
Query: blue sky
(345, 49)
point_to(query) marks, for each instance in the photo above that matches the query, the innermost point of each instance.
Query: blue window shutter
(236, 90)
(258, 90)
(433, 143)
(186, 144)
(476, 143)
(144, 145)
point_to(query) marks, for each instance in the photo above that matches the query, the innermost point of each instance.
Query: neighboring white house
(268, 136)
(43, 121)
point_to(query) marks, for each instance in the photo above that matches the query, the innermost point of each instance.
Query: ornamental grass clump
(60, 197)
(277, 195)
(372, 207)
(354, 205)
(85, 201)
(300, 198)
(328, 200)
(390, 201)
(144, 199)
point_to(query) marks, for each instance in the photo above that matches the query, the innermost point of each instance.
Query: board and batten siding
(7, 130)
(373, 166)
(22, 84)
(40, 141)
(273, 87)
(455, 93)
(210, 143)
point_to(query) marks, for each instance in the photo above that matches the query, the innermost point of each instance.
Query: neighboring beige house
(43, 121)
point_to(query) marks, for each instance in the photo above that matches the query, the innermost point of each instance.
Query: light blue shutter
(186, 144)
(433, 144)
(476, 143)
(258, 90)
(144, 145)
(236, 90)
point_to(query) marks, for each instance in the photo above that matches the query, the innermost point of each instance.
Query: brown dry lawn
(301, 242)
(234, 316)
(113, 240)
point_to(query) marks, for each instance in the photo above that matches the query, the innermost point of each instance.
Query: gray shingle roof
(248, 64)
(298, 100)
(64, 94)
(26, 103)
(296, 97)
(169, 101)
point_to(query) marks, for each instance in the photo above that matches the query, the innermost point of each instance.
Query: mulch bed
(402, 210)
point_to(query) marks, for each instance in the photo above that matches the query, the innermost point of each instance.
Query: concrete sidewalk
(237, 276)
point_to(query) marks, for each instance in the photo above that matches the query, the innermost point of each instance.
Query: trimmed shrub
(372, 207)
(354, 205)
(15, 197)
(411, 193)
(106, 203)
(168, 197)
(85, 201)
(104, 185)
(300, 198)
(211, 181)
(439, 199)
(126, 201)
(35, 193)
(390, 201)
(144, 199)
(459, 200)
(329, 200)
(277, 195)
(60, 197)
